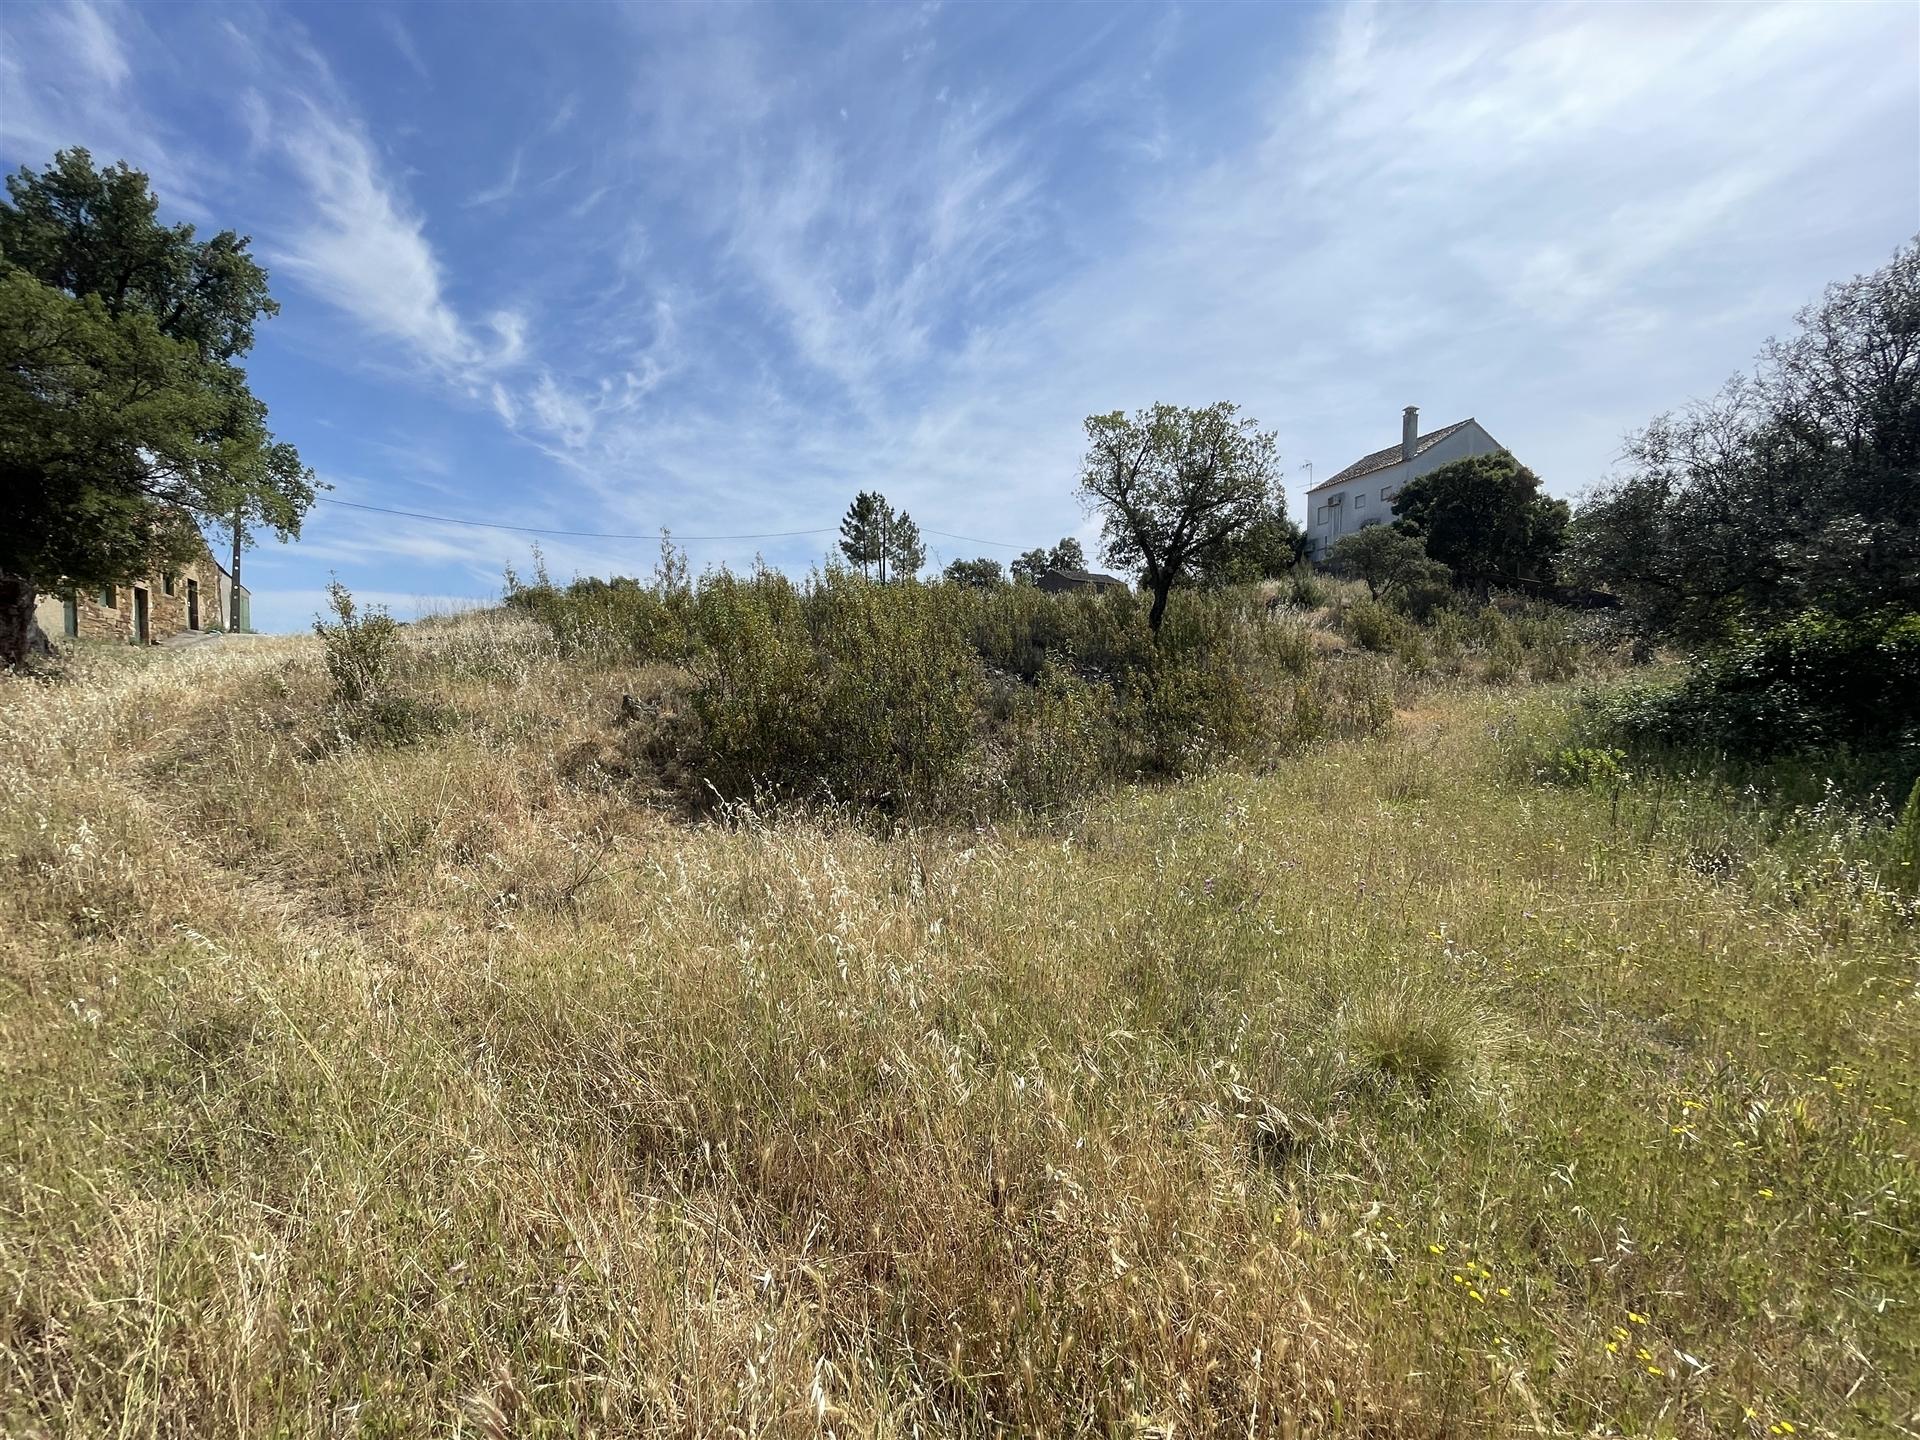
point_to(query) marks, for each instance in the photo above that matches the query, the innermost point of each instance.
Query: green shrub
(759, 695)
(1816, 682)
(1372, 626)
(902, 693)
(617, 619)
(1587, 767)
(1307, 589)
(1506, 651)
(1061, 741)
(854, 692)
(1016, 628)
(362, 649)
(1182, 713)
(1906, 845)
(928, 698)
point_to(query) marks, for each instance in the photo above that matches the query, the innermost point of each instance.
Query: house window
(1387, 492)
(1360, 500)
(106, 597)
(166, 583)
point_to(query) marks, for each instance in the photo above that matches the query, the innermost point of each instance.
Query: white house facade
(1363, 493)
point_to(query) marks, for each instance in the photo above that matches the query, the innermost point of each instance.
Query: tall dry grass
(463, 1087)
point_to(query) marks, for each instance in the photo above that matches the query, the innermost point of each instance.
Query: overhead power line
(615, 535)
(568, 534)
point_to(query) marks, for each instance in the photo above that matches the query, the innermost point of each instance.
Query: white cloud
(65, 80)
(1559, 219)
(94, 43)
(504, 188)
(359, 246)
(403, 42)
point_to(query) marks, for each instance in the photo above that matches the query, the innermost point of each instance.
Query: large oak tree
(1795, 488)
(126, 421)
(1486, 519)
(1173, 485)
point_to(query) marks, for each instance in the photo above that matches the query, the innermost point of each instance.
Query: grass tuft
(1422, 1035)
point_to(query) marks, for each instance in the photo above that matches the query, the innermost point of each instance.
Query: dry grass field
(464, 1088)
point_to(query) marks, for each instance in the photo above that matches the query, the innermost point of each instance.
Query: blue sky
(606, 268)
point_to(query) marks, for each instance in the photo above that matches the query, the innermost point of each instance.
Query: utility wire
(612, 535)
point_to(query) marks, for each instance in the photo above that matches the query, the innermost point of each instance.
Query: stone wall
(170, 603)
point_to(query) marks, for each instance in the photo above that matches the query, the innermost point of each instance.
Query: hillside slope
(456, 1088)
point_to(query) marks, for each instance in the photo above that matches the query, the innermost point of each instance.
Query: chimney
(1409, 432)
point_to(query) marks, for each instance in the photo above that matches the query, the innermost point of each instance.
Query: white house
(1362, 494)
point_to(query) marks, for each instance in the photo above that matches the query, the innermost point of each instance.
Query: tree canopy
(1795, 488)
(1032, 564)
(1173, 484)
(982, 574)
(126, 421)
(881, 541)
(1392, 562)
(860, 531)
(1270, 546)
(1067, 555)
(905, 552)
(1485, 519)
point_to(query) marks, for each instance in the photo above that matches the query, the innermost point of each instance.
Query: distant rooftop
(1381, 459)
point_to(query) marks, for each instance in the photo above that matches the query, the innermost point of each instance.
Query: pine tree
(905, 551)
(862, 531)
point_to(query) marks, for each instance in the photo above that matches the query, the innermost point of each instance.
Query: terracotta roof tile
(1381, 459)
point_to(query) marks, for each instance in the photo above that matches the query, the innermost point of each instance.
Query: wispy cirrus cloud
(66, 79)
(721, 267)
(505, 188)
(355, 242)
(94, 44)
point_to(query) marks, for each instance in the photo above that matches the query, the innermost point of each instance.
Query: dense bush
(1061, 740)
(370, 702)
(1373, 626)
(850, 691)
(1775, 529)
(913, 699)
(1791, 489)
(1817, 682)
(610, 619)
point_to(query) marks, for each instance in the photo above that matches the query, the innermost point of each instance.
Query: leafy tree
(1485, 519)
(1173, 484)
(126, 421)
(1030, 566)
(1393, 562)
(982, 574)
(1067, 555)
(1789, 490)
(1266, 550)
(862, 531)
(905, 553)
